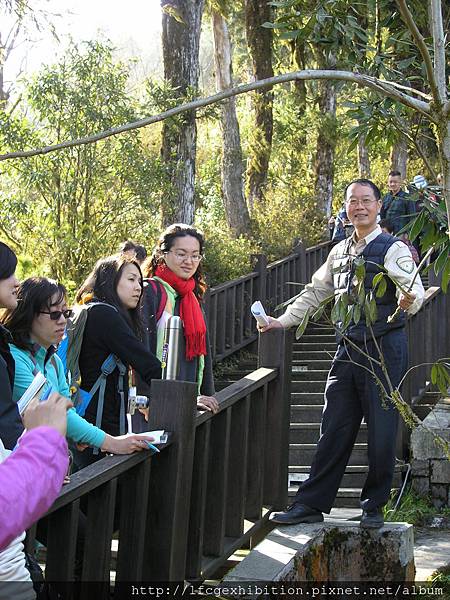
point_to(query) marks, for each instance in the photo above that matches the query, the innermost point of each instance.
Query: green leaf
(318, 312)
(370, 308)
(417, 226)
(348, 317)
(360, 268)
(445, 277)
(442, 259)
(376, 280)
(302, 326)
(345, 299)
(434, 374)
(442, 377)
(361, 293)
(335, 311)
(356, 313)
(342, 310)
(382, 286)
(373, 310)
(290, 35)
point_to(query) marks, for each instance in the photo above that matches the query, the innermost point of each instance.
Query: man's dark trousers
(351, 393)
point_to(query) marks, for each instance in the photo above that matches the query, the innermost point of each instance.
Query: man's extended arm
(321, 287)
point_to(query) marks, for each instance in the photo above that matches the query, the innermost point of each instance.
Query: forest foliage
(63, 210)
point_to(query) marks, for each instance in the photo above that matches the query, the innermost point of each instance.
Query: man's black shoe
(297, 513)
(372, 519)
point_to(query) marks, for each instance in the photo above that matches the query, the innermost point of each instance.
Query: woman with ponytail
(176, 279)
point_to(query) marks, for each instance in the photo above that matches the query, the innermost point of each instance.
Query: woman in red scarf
(177, 287)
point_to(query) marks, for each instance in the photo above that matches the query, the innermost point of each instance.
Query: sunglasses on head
(55, 315)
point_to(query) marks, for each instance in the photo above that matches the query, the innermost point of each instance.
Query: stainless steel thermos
(170, 360)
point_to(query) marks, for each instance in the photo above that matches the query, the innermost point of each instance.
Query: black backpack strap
(109, 365)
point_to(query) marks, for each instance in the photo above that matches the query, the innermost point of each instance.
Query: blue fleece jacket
(78, 429)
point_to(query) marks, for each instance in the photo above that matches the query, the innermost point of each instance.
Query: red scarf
(190, 311)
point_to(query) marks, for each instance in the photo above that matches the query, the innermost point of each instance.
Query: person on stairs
(351, 391)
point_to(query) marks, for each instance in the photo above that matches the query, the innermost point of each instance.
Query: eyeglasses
(55, 315)
(182, 257)
(364, 201)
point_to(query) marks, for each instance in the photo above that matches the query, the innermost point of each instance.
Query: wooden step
(312, 346)
(345, 498)
(308, 433)
(302, 454)
(310, 375)
(354, 476)
(308, 386)
(312, 355)
(302, 398)
(316, 338)
(306, 413)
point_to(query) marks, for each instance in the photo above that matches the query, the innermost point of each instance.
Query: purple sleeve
(30, 479)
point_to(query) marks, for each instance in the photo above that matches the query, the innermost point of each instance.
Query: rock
(331, 551)
(420, 468)
(440, 471)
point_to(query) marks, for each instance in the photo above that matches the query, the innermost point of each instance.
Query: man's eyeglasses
(364, 201)
(55, 315)
(182, 257)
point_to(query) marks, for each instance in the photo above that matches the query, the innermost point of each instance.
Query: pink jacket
(30, 480)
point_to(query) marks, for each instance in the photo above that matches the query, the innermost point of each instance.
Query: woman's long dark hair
(101, 285)
(8, 261)
(166, 242)
(34, 295)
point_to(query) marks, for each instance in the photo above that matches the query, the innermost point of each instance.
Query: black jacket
(188, 369)
(11, 426)
(107, 332)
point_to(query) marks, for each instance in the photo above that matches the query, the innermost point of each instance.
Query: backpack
(69, 353)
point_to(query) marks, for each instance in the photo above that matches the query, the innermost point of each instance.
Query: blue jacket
(78, 429)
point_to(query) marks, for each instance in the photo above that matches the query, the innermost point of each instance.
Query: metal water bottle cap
(171, 349)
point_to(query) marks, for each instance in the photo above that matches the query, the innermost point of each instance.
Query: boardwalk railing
(428, 339)
(230, 324)
(180, 514)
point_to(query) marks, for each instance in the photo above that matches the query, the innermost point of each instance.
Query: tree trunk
(236, 210)
(399, 156)
(300, 84)
(326, 145)
(363, 158)
(444, 147)
(180, 37)
(259, 41)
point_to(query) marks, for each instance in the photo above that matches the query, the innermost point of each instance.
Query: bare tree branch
(384, 88)
(417, 36)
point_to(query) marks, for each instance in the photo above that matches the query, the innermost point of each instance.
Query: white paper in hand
(159, 436)
(34, 389)
(259, 313)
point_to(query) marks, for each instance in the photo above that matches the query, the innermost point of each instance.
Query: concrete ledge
(330, 551)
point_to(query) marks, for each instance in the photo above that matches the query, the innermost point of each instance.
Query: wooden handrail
(228, 304)
(182, 511)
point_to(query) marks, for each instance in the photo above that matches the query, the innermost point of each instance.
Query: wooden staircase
(311, 361)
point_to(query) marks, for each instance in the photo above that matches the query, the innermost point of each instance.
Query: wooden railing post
(259, 264)
(275, 351)
(300, 265)
(173, 408)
